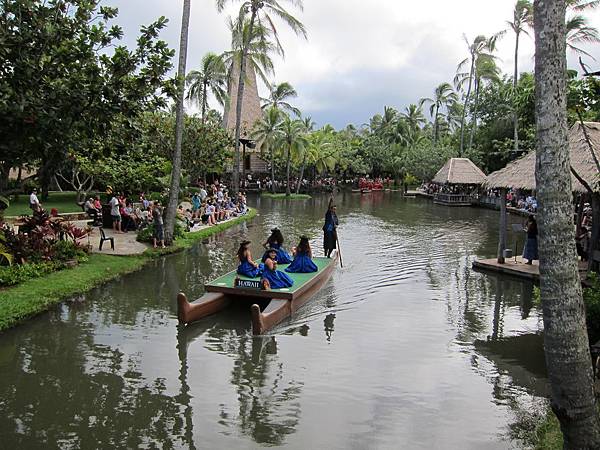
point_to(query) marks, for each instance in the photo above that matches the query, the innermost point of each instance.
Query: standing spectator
(34, 202)
(159, 232)
(115, 214)
(196, 203)
(203, 194)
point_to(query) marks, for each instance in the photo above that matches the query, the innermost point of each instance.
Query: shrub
(146, 234)
(11, 275)
(68, 250)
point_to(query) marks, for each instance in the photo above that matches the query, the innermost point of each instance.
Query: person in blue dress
(273, 278)
(302, 262)
(276, 241)
(330, 230)
(247, 266)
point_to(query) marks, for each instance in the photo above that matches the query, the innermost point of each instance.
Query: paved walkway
(125, 243)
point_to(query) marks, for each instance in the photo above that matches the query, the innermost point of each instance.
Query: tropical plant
(293, 142)
(211, 78)
(267, 132)
(522, 19)
(263, 12)
(176, 171)
(278, 98)
(443, 97)
(580, 32)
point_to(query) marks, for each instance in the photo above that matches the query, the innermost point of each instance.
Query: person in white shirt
(34, 202)
(115, 214)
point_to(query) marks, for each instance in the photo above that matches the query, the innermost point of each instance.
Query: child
(273, 278)
(303, 262)
(247, 266)
(275, 241)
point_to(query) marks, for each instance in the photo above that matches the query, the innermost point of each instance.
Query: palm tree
(263, 12)
(578, 31)
(278, 96)
(413, 116)
(268, 131)
(522, 19)
(443, 96)
(566, 342)
(303, 157)
(293, 141)
(212, 77)
(176, 173)
(481, 46)
(485, 70)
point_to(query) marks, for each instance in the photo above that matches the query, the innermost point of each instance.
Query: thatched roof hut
(251, 110)
(459, 171)
(520, 174)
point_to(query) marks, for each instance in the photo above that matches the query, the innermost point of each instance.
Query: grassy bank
(64, 202)
(35, 296)
(283, 196)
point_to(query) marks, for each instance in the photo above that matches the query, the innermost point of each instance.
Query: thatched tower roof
(459, 171)
(251, 111)
(520, 174)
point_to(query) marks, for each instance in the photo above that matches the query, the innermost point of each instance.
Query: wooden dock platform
(518, 268)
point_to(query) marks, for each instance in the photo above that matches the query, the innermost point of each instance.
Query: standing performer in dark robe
(330, 230)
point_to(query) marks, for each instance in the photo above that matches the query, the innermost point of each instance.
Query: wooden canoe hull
(279, 309)
(276, 310)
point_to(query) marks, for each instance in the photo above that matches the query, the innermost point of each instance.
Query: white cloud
(360, 54)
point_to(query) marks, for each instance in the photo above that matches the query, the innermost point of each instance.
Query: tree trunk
(565, 337)
(474, 118)
(238, 107)
(204, 101)
(515, 82)
(595, 238)
(288, 192)
(301, 175)
(272, 171)
(464, 112)
(502, 230)
(176, 173)
(435, 126)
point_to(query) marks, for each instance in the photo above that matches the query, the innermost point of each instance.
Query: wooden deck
(519, 268)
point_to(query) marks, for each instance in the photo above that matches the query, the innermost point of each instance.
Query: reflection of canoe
(277, 303)
(365, 191)
(356, 190)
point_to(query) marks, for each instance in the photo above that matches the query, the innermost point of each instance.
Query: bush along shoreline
(37, 295)
(284, 196)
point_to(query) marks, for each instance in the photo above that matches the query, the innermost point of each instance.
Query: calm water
(405, 347)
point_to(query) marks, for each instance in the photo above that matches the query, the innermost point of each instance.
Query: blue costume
(277, 279)
(248, 270)
(282, 256)
(302, 264)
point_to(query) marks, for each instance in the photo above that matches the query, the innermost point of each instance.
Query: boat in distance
(277, 304)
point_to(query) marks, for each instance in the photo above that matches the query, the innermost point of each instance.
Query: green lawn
(283, 196)
(64, 202)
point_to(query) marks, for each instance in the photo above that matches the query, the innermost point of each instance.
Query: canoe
(365, 191)
(277, 304)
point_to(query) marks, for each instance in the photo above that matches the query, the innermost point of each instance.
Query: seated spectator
(97, 203)
(90, 210)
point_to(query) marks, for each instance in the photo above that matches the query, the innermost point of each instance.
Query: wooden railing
(458, 199)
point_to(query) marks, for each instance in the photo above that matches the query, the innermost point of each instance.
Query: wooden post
(502, 231)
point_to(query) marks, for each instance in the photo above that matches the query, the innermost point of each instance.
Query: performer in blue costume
(247, 266)
(302, 262)
(276, 241)
(276, 279)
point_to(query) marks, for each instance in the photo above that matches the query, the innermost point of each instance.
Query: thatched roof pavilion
(459, 171)
(520, 174)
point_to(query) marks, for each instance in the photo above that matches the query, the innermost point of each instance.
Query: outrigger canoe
(277, 304)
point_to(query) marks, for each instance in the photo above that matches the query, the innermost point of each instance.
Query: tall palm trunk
(204, 100)
(464, 112)
(272, 171)
(176, 173)
(565, 337)
(515, 83)
(288, 192)
(474, 115)
(240, 95)
(436, 125)
(301, 175)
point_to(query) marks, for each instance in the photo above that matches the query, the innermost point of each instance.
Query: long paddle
(337, 241)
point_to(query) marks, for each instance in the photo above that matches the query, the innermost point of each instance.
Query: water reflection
(404, 344)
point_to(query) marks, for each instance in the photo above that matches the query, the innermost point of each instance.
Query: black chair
(104, 238)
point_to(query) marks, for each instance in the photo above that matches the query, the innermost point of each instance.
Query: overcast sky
(360, 54)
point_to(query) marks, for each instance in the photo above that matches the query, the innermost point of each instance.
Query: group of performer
(299, 262)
